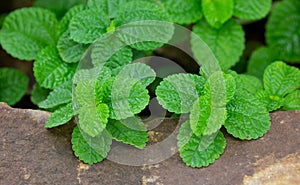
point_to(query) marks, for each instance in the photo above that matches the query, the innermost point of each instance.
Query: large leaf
(13, 85)
(50, 71)
(25, 32)
(217, 12)
(183, 12)
(259, 60)
(60, 95)
(88, 25)
(248, 117)
(177, 93)
(281, 79)
(109, 7)
(248, 83)
(133, 135)
(90, 150)
(200, 151)
(59, 7)
(69, 50)
(283, 30)
(251, 10)
(39, 94)
(60, 116)
(292, 101)
(227, 42)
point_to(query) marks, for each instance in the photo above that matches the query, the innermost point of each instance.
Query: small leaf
(133, 136)
(107, 6)
(88, 25)
(60, 95)
(39, 94)
(50, 71)
(25, 32)
(69, 50)
(283, 30)
(259, 61)
(13, 85)
(292, 101)
(272, 103)
(90, 150)
(65, 21)
(60, 116)
(177, 93)
(281, 79)
(248, 118)
(183, 12)
(217, 12)
(251, 10)
(200, 151)
(248, 83)
(227, 42)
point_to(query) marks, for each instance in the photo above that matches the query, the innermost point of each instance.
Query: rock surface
(31, 154)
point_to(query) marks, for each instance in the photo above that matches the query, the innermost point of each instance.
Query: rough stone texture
(31, 154)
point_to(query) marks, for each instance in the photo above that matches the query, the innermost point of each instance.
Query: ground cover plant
(58, 35)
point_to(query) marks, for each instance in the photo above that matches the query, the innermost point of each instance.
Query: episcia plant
(107, 99)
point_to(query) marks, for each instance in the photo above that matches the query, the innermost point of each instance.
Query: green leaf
(25, 32)
(200, 151)
(69, 50)
(134, 11)
(183, 12)
(39, 94)
(50, 71)
(60, 116)
(292, 101)
(62, 94)
(177, 93)
(85, 93)
(281, 79)
(248, 118)
(90, 150)
(63, 25)
(272, 103)
(2, 17)
(227, 42)
(217, 12)
(88, 25)
(259, 60)
(208, 113)
(283, 30)
(13, 85)
(119, 59)
(133, 136)
(248, 83)
(138, 71)
(59, 7)
(107, 6)
(251, 10)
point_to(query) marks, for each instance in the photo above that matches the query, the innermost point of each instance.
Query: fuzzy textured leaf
(227, 42)
(183, 12)
(60, 116)
(199, 151)
(60, 95)
(120, 59)
(50, 71)
(69, 50)
(88, 25)
(248, 83)
(283, 30)
(217, 12)
(251, 10)
(13, 85)
(133, 136)
(177, 93)
(292, 101)
(39, 94)
(248, 118)
(25, 32)
(259, 61)
(109, 7)
(90, 150)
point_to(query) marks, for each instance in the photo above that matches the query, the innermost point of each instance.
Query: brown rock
(31, 154)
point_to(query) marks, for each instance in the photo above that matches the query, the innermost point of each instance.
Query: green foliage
(227, 42)
(60, 116)
(282, 30)
(251, 10)
(2, 17)
(13, 85)
(107, 6)
(39, 94)
(25, 32)
(292, 101)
